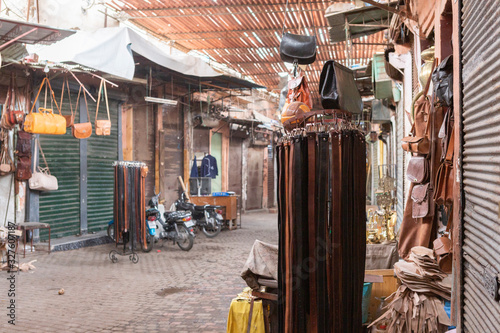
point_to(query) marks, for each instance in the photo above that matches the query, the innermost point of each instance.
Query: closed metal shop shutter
(102, 151)
(481, 163)
(61, 208)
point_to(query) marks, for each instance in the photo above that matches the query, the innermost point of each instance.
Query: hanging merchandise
(6, 164)
(102, 127)
(298, 91)
(297, 49)
(442, 79)
(41, 179)
(209, 166)
(322, 224)
(14, 112)
(129, 208)
(82, 130)
(23, 153)
(45, 121)
(70, 119)
(337, 88)
(418, 225)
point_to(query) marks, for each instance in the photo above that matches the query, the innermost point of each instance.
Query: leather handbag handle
(300, 20)
(53, 96)
(102, 86)
(86, 105)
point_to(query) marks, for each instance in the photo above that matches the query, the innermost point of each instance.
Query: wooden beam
(204, 8)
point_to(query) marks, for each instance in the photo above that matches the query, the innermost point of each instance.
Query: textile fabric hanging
(322, 230)
(129, 203)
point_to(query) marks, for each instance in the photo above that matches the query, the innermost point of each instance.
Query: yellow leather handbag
(45, 121)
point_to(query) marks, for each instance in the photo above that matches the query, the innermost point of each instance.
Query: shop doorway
(216, 151)
(255, 177)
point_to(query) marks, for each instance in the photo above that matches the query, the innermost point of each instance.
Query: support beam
(203, 8)
(221, 14)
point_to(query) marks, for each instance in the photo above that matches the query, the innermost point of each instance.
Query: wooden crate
(384, 289)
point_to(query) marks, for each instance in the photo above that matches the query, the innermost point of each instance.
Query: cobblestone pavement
(167, 291)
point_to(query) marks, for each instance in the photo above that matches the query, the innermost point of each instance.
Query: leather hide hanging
(321, 246)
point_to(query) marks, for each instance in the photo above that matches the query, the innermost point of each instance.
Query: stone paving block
(104, 297)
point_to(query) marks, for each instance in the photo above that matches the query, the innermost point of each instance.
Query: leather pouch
(15, 117)
(417, 145)
(299, 49)
(418, 169)
(421, 196)
(443, 249)
(102, 127)
(82, 130)
(23, 146)
(23, 171)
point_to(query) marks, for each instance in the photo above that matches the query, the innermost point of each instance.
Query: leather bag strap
(102, 87)
(451, 149)
(43, 156)
(53, 96)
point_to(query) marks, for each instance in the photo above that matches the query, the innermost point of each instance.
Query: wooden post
(457, 287)
(158, 138)
(188, 141)
(127, 133)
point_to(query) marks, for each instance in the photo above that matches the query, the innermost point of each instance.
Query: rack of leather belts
(321, 203)
(129, 208)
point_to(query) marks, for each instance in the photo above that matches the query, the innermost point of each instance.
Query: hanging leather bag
(82, 130)
(419, 140)
(6, 163)
(45, 121)
(23, 153)
(102, 127)
(418, 169)
(70, 119)
(444, 178)
(443, 248)
(422, 201)
(42, 180)
(442, 79)
(298, 91)
(15, 114)
(298, 49)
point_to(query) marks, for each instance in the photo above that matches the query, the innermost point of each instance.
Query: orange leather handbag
(102, 127)
(45, 121)
(82, 130)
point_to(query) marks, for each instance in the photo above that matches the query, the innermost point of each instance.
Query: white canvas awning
(109, 50)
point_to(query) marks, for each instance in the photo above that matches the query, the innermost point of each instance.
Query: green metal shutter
(61, 208)
(102, 151)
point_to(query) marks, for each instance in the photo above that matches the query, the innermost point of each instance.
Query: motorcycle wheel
(212, 231)
(111, 233)
(186, 240)
(150, 241)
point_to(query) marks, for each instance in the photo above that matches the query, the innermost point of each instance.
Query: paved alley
(167, 291)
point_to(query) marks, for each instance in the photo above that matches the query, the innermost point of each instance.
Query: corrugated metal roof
(245, 35)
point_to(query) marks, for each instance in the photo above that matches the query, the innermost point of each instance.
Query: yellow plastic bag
(237, 320)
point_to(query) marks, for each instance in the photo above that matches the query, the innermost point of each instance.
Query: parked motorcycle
(208, 218)
(177, 227)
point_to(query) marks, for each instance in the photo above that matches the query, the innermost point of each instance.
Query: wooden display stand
(383, 289)
(230, 203)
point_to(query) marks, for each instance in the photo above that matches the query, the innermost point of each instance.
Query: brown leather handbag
(419, 140)
(444, 177)
(418, 169)
(102, 127)
(82, 130)
(422, 201)
(14, 113)
(443, 248)
(298, 91)
(23, 152)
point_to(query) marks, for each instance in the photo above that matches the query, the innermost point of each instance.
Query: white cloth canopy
(109, 50)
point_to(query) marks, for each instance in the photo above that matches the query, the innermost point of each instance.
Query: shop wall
(171, 148)
(144, 142)
(235, 165)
